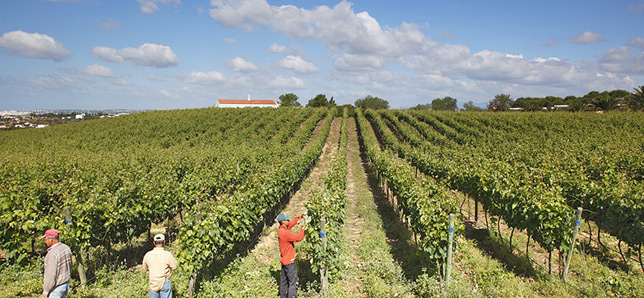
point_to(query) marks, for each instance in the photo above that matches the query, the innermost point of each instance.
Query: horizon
(173, 54)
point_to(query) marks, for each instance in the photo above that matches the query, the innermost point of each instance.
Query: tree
(318, 101)
(605, 102)
(636, 100)
(576, 104)
(501, 102)
(289, 100)
(370, 102)
(427, 106)
(445, 104)
(469, 106)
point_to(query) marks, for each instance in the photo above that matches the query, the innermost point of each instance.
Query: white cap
(159, 237)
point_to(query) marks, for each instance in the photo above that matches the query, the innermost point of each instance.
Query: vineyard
(379, 187)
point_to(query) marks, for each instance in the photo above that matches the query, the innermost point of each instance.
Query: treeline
(593, 101)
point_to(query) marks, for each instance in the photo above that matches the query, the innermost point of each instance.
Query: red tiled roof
(246, 101)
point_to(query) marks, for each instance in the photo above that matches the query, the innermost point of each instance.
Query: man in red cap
(58, 267)
(286, 238)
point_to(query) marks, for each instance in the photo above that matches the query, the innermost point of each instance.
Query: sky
(179, 54)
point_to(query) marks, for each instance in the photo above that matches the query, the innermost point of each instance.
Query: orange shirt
(286, 239)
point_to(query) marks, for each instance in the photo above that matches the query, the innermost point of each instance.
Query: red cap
(50, 232)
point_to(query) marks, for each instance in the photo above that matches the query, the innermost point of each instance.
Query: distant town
(43, 118)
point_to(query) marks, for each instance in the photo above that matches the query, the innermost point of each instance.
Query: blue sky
(169, 54)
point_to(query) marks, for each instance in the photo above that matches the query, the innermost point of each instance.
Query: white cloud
(622, 60)
(110, 24)
(291, 82)
(349, 62)
(445, 32)
(33, 45)
(550, 43)
(230, 40)
(121, 82)
(339, 28)
(156, 78)
(148, 54)
(205, 78)
(297, 64)
(107, 54)
(98, 70)
(277, 49)
(587, 38)
(637, 42)
(239, 64)
(362, 51)
(55, 82)
(150, 6)
(179, 93)
(94, 70)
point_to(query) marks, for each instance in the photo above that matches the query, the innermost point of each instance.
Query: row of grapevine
(118, 175)
(502, 189)
(594, 163)
(215, 228)
(426, 204)
(328, 202)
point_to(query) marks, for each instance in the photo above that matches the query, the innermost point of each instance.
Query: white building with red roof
(246, 103)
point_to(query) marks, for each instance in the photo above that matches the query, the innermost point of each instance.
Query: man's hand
(44, 295)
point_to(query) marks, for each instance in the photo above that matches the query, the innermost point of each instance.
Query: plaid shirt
(58, 266)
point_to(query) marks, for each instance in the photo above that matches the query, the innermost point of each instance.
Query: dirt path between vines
(353, 221)
(372, 269)
(267, 248)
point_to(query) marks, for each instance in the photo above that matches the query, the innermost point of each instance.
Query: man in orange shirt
(288, 280)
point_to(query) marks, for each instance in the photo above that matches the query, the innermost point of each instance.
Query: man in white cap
(160, 263)
(58, 266)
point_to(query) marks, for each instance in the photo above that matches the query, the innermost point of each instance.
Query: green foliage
(289, 100)
(214, 228)
(469, 106)
(636, 99)
(425, 204)
(422, 107)
(494, 183)
(501, 102)
(517, 168)
(320, 100)
(605, 102)
(371, 102)
(444, 104)
(329, 203)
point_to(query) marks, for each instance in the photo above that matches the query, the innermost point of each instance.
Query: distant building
(246, 103)
(80, 116)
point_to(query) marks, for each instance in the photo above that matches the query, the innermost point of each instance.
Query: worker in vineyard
(58, 266)
(160, 263)
(288, 279)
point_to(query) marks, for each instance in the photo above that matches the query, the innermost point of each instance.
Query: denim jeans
(59, 291)
(165, 292)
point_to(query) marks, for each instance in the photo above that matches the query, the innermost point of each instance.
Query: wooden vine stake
(191, 283)
(79, 257)
(448, 265)
(572, 245)
(324, 281)
(476, 211)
